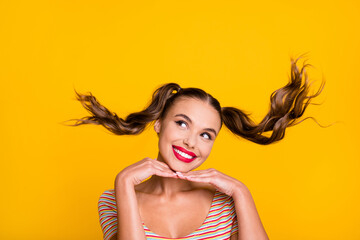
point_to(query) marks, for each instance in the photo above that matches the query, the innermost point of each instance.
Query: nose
(190, 140)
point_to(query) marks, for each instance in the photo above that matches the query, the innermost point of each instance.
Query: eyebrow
(187, 118)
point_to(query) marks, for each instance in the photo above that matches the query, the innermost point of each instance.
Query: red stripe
(214, 231)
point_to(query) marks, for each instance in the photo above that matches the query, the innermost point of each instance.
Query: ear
(157, 126)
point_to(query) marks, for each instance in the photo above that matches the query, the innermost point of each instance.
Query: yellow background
(304, 187)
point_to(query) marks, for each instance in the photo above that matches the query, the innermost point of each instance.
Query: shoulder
(110, 194)
(107, 199)
(223, 201)
(108, 214)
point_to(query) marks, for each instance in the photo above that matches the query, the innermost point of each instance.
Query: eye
(180, 123)
(208, 136)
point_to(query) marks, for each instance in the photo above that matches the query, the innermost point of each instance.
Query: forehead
(201, 113)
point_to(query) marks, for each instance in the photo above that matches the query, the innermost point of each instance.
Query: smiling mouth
(183, 156)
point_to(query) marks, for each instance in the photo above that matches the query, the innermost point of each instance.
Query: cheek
(171, 136)
(206, 150)
(165, 142)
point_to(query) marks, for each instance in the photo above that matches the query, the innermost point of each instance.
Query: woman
(177, 202)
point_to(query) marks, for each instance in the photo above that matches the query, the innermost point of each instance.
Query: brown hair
(287, 105)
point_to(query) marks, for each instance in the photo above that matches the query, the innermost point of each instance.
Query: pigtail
(135, 123)
(287, 105)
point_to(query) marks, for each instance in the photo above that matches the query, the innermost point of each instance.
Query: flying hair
(287, 106)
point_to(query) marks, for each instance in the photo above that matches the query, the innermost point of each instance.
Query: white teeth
(183, 154)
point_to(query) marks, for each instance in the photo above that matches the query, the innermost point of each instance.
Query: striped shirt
(220, 223)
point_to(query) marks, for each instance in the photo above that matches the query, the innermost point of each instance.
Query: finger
(162, 163)
(207, 177)
(164, 166)
(184, 175)
(180, 175)
(199, 179)
(156, 163)
(209, 170)
(162, 173)
(200, 173)
(161, 170)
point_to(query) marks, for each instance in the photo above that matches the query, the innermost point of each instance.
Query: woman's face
(187, 134)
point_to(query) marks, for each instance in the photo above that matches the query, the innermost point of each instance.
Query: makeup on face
(187, 133)
(183, 155)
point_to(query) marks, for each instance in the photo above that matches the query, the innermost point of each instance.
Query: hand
(143, 169)
(219, 180)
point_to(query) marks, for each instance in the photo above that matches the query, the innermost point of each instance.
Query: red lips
(181, 158)
(185, 151)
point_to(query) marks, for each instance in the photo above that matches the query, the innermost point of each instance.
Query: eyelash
(180, 122)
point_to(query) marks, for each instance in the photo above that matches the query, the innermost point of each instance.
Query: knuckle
(164, 164)
(148, 164)
(144, 160)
